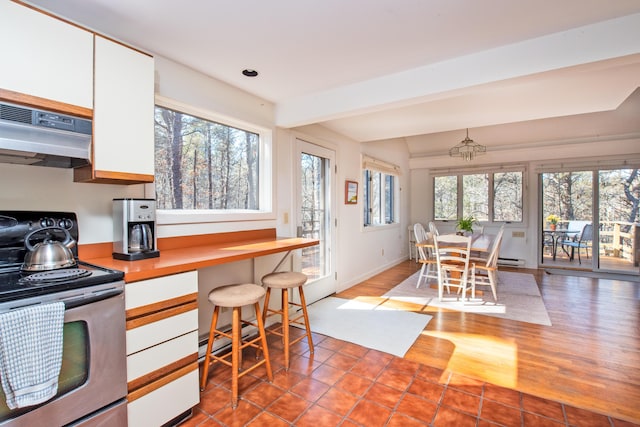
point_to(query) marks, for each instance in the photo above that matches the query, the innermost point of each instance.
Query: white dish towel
(31, 353)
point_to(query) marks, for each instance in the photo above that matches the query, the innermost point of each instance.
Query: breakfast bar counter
(187, 253)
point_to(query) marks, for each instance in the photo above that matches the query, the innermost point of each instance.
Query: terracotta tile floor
(344, 384)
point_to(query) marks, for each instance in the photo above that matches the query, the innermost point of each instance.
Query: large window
(487, 196)
(379, 198)
(380, 192)
(206, 165)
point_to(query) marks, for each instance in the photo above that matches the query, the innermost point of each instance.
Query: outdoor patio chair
(578, 242)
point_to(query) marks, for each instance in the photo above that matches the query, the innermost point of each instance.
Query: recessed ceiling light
(249, 72)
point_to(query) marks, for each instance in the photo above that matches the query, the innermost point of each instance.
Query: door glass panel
(314, 175)
(568, 196)
(619, 203)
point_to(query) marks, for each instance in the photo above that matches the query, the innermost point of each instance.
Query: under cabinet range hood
(30, 136)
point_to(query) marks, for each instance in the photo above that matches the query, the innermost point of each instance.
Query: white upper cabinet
(48, 58)
(123, 113)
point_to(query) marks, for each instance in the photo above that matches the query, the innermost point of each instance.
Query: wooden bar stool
(284, 281)
(236, 296)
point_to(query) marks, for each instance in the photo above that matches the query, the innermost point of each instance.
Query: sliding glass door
(598, 219)
(619, 227)
(567, 206)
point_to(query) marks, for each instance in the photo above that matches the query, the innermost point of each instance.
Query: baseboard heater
(512, 262)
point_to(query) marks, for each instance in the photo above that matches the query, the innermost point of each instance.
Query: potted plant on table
(465, 224)
(553, 221)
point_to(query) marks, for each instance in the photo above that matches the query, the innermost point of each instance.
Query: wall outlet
(285, 218)
(382, 251)
(517, 234)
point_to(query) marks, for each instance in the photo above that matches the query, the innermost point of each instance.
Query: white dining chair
(433, 229)
(485, 269)
(453, 262)
(426, 256)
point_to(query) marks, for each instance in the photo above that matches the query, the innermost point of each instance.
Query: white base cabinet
(162, 348)
(164, 403)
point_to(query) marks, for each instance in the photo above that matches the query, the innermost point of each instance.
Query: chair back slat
(492, 260)
(420, 235)
(452, 255)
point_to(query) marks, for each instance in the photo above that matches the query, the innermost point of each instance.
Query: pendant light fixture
(467, 149)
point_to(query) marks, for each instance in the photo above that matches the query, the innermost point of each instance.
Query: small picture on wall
(350, 192)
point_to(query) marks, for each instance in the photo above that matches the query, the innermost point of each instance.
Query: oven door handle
(78, 301)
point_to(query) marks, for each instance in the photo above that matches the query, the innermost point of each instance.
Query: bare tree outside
(445, 197)
(201, 164)
(507, 196)
(475, 196)
(504, 188)
(313, 211)
(568, 195)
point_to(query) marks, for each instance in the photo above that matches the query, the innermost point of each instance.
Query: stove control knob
(47, 222)
(65, 223)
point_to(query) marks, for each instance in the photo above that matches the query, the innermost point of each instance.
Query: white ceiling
(380, 69)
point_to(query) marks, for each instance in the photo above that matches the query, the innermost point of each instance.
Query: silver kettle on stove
(50, 254)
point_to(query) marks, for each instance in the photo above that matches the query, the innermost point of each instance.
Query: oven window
(75, 366)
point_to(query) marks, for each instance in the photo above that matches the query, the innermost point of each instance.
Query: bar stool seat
(284, 281)
(236, 296)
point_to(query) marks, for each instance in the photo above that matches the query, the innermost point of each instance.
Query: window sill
(380, 227)
(166, 217)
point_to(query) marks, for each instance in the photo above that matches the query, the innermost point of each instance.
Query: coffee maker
(134, 229)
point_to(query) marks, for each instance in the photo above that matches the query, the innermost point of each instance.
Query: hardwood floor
(589, 358)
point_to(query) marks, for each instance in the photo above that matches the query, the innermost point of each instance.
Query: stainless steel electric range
(38, 265)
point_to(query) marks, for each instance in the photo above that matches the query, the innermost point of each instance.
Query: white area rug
(372, 326)
(518, 298)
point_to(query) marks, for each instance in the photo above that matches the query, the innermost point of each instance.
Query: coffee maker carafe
(134, 229)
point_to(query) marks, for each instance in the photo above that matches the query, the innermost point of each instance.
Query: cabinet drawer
(163, 330)
(166, 402)
(161, 356)
(164, 288)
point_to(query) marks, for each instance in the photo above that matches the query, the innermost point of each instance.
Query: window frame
(266, 192)
(368, 197)
(490, 171)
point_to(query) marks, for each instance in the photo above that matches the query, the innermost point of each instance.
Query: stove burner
(55, 276)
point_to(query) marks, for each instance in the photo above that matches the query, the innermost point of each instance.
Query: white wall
(182, 85)
(378, 248)
(43, 188)
(359, 252)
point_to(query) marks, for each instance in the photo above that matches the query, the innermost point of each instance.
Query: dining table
(480, 242)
